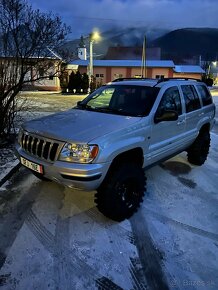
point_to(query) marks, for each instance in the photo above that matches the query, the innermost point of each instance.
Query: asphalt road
(53, 237)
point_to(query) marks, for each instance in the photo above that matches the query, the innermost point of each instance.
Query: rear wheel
(198, 151)
(122, 192)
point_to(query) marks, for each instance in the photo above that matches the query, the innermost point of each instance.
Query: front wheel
(122, 192)
(198, 151)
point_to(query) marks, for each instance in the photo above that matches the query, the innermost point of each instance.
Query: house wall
(100, 71)
(83, 69)
(135, 71)
(187, 75)
(110, 73)
(166, 72)
(118, 72)
(48, 83)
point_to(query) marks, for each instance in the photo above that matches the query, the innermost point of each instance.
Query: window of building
(41, 72)
(192, 101)
(159, 76)
(117, 76)
(99, 75)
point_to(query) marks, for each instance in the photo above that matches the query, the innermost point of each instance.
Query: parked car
(109, 138)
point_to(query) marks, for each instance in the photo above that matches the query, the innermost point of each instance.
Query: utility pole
(143, 66)
(90, 57)
(94, 36)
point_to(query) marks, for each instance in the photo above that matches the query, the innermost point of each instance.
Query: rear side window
(192, 101)
(205, 95)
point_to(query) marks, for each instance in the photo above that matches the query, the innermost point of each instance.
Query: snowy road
(54, 238)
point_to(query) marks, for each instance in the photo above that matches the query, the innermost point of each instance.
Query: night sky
(84, 15)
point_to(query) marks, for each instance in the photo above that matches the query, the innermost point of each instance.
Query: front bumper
(74, 175)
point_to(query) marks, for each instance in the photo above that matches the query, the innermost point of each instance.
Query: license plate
(31, 165)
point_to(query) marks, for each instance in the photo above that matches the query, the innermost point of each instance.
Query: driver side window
(170, 102)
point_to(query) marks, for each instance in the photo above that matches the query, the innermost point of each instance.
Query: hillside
(118, 37)
(189, 42)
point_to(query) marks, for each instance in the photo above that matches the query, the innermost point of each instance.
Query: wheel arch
(205, 127)
(134, 155)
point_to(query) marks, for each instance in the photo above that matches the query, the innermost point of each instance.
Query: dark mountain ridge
(188, 43)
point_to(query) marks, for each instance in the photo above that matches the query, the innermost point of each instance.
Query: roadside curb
(10, 173)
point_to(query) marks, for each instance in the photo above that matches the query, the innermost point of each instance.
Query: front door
(167, 136)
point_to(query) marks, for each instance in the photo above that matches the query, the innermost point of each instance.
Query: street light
(94, 36)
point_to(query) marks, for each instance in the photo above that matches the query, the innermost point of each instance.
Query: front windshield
(126, 100)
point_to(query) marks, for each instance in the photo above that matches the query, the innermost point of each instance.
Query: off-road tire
(198, 151)
(121, 193)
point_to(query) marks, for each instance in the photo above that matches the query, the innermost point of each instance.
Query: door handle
(181, 122)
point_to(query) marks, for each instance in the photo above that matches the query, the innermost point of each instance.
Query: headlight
(19, 138)
(78, 153)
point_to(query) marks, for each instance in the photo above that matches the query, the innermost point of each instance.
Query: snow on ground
(7, 161)
(181, 211)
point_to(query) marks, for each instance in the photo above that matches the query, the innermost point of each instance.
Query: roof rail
(182, 79)
(131, 79)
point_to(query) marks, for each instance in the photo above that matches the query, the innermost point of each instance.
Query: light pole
(94, 36)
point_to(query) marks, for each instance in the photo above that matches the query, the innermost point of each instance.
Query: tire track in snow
(148, 255)
(192, 229)
(106, 223)
(62, 274)
(76, 267)
(119, 235)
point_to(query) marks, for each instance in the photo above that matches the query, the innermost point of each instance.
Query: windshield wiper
(107, 110)
(84, 106)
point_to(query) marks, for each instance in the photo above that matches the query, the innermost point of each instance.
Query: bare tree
(28, 39)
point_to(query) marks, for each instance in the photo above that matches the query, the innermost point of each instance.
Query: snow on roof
(188, 69)
(125, 63)
(44, 53)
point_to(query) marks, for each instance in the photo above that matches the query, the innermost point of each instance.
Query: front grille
(40, 147)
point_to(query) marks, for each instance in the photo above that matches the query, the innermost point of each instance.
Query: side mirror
(166, 116)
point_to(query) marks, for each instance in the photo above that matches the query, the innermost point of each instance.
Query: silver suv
(106, 141)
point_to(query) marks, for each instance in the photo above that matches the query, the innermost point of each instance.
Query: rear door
(167, 136)
(194, 112)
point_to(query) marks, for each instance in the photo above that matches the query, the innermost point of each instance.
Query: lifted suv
(108, 138)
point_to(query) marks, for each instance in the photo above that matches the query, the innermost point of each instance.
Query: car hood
(78, 125)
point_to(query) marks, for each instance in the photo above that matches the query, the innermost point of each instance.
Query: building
(132, 53)
(108, 70)
(42, 72)
(48, 71)
(188, 71)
